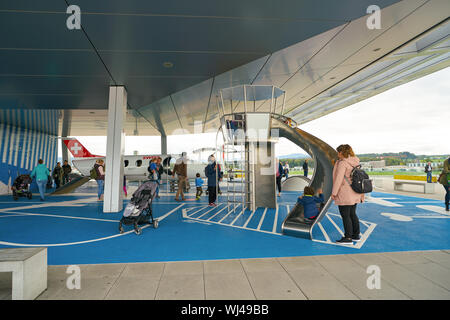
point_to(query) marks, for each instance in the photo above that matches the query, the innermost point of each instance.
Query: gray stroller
(139, 209)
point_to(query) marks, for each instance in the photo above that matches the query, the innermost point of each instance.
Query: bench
(427, 187)
(29, 271)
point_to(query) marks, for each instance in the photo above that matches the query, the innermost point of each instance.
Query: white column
(113, 201)
(163, 144)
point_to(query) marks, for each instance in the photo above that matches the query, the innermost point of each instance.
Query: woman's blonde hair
(100, 161)
(346, 150)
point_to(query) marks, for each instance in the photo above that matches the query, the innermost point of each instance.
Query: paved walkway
(404, 275)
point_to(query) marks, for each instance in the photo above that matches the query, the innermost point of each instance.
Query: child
(308, 200)
(198, 184)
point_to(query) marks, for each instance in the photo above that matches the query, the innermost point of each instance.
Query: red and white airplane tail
(77, 149)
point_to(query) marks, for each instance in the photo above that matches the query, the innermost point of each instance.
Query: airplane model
(135, 166)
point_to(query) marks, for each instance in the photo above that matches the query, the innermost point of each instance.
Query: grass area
(406, 173)
(299, 172)
(376, 173)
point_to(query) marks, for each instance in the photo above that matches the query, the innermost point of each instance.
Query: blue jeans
(157, 187)
(101, 186)
(41, 186)
(429, 177)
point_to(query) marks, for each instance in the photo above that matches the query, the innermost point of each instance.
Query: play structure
(251, 122)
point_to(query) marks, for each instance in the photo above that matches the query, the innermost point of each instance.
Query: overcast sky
(413, 117)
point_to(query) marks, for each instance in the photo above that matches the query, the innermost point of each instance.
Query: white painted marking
(237, 217)
(249, 218)
(327, 238)
(201, 208)
(11, 215)
(436, 209)
(383, 202)
(365, 236)
(396, 216)
(169, 213)
(217, 213)
(208, 211)
(275, 221)
(262, 219)
(431, 217)
(238, 227)
(335, 225)
(364, 223)
(58, 216)
(229, 212)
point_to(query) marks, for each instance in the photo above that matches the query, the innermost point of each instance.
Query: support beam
(113, 198)
(163, 144)
(65, 130)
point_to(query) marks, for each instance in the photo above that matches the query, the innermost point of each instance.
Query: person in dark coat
(305, 168)
(211, 174)
(66, 170)
(58, 175)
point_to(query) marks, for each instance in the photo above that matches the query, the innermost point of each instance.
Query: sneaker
(344, 240)
(356, 239)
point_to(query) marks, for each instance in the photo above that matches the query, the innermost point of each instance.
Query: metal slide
(77, 181)
(324, 157)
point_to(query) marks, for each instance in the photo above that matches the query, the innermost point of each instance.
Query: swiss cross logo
(75, 148)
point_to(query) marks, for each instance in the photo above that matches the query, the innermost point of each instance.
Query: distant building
(373, 164)
(423, 164)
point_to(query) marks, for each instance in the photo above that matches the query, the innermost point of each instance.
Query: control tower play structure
(251, 122)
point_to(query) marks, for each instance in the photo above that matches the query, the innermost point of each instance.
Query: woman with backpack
(343, 194)
(100, 177)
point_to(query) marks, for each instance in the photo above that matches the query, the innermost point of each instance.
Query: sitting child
(308, 200)
(198, 184)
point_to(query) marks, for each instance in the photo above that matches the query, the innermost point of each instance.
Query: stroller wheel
(138, 231)
(155, 223)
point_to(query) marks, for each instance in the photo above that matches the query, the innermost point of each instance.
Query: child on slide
(309, 202)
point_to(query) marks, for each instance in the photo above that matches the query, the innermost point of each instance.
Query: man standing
(428, 171)
(286, 169)
(305, 168)
(58, 175)
(180, 169)
(99, 168)
(211, 174)
(66, 170)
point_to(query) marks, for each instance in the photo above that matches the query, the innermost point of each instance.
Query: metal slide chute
(324, 156)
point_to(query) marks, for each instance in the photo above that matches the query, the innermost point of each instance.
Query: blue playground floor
(76, 231)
